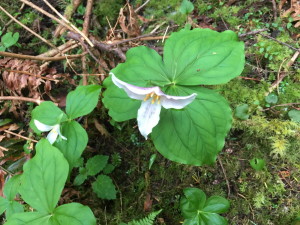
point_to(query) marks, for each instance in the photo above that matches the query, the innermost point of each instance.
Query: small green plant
(41, 185)
(7, 40)
(198, 210)
(186, 7)
(166, 97)
(149, 220)
(65, 133)
(103, 186)
(242, 112)
(257, 164)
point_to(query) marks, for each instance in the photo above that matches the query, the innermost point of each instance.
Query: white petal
(59, 133)
(42, 127)
(176, 102)
(148, 117)
(52, 136)
(133, 91)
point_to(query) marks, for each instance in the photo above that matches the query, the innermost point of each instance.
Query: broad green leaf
(216, 204)
(186, 7)
(74, 214)
(3, 204)
(108, 168)
(257, 164)
(11, 187)
(4, 121)
(120, 106)
(203, 56)
(271, 99)
(82, 100)
(205, 122)
(13, 207)
(47, 113)
(95, 164)
(294, 115)
(2, 48)
(81, 177)
(76, 142)
(44, 177)
(104, 187)
(30, 218)
(193, 200)
(9, 39)
(197, 210)
(242, 112)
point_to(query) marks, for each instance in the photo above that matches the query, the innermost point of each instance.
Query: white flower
(153, 99)
(54, 131)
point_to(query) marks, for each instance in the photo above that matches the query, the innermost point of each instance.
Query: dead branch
(19, 98)
(58, 58)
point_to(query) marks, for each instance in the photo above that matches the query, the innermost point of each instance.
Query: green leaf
(47, 113)
(76, 142)
(9, 39)
(186, 7)
(197, 210)
(104, 187)
(205, 122)
(12, 208)
(44, 177)
(271, 99)
(81, 177)
(108, 168)
(30, 218)
(3, 204)
(294, 115)
(82, 100)
(242, 112)
(75, 214)
(203, 56)
(4, 121)
(11, 187)
(151, 161)
(95, 164)
(257, 164)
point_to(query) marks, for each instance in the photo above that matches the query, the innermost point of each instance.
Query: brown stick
(27, 73)
(85, 30)
(281, 105)
(69, 23)
(280, 42)
(27, 28)
(70, 9)
(20, 136)
(225, 176)
(283, 74)
(53, 52)
(19, 98)
(19, 56)
(47, 14)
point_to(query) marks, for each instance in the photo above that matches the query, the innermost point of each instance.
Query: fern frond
(147, 220)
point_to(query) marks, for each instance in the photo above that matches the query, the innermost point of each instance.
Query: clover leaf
(198, 210)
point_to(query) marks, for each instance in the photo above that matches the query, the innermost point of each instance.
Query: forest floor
(262, 99)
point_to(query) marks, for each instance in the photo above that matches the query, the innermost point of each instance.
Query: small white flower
(153, 99)
(54, 131)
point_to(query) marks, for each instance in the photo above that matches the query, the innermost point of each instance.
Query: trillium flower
(153, 99)
(54, 131)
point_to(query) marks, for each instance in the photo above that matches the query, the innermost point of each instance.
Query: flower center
(155, 98)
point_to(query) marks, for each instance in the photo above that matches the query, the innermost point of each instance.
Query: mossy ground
(270, 196)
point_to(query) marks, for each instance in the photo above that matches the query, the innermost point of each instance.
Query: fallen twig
(280, 42)
(19, 98)
(281, 105)
(27, 73)
(58, 58)
(20, 136)
(283, 74)
(225, 176)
